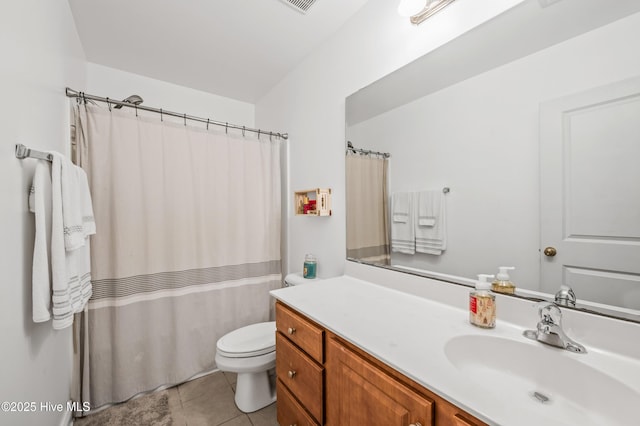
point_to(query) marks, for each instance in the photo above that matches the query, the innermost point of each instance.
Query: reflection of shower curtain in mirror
(367, 211)
(187, 247)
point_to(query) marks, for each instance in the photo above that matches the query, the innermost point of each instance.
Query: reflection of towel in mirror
(428, 203)
(431, 237)
(402, 223)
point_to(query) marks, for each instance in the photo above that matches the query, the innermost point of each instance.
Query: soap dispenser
(482, 304)
(502, 283)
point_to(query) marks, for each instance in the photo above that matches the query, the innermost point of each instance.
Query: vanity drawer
(290, 412)
(301, 331)
(301, 375)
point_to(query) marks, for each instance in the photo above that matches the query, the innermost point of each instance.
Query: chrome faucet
(549, 329)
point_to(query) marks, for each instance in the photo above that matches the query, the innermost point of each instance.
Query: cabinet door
(360, 393)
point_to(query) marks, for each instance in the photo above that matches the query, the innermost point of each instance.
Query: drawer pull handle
(292, 374)
(416, 424)
(291, 330)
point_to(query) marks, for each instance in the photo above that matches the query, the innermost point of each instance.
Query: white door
(590, 194)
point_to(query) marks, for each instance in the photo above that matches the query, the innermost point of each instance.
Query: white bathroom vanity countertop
(411, 333)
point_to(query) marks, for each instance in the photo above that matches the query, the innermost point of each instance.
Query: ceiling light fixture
(419, 11)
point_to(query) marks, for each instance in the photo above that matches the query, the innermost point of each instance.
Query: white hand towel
(433, 239)
(70, 269)
(77, 212)
(400, 207)
(40, 206)
(428, 203)
(403, 230)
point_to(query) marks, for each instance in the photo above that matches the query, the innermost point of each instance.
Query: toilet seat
(252, 340)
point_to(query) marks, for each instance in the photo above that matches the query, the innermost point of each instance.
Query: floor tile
(175, 405)
(213, 407)
(264, 417)
(206, 385)
(242, 420)
(232, 378)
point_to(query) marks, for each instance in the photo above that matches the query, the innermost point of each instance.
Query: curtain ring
(109, 104)
(243, 128)
(270, 136)
(207, 124)
(136, 110)
(161, 116)
(226, 127)
(258, 134)
(185, 119)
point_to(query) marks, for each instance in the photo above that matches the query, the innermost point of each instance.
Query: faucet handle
(565, 296)
(549, 312)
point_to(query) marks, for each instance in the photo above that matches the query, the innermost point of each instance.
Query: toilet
(251, 352)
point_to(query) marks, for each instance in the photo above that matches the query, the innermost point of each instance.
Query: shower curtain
(367, 208)
(187, 246)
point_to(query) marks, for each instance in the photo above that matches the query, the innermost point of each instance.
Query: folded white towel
(40, 206)
(401, 206)
(77, 213)
(431, 239)
(428, 201)
(71, 270)
(402, 225)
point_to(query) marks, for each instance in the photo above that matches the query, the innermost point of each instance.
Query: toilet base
(254, 391)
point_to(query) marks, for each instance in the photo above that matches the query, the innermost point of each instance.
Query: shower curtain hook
(270, 136)
(258, 134)
(109, 104)
(185, 119)
(243, 128)
(161, 116)
(207, 124)
(136, 110)
(226, 127)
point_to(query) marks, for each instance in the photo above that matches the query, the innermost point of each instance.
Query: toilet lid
(252, 340)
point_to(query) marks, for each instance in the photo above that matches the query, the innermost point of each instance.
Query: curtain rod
(350, 148)
(81, 95)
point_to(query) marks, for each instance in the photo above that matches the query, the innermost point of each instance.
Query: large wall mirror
(532, 121)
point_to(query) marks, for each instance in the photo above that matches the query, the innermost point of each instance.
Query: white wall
(104, 81)
(41, 54)
(480, 137)
(310, 104)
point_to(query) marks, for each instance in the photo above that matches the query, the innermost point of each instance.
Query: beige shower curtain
(367, 208)
(187, 246)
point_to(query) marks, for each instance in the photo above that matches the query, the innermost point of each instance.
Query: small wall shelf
(312, 202)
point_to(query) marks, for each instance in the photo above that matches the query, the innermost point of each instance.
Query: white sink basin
(556, 383)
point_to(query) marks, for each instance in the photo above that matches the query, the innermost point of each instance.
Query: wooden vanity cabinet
(341, 385)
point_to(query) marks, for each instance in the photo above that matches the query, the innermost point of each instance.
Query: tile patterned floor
(208, 401)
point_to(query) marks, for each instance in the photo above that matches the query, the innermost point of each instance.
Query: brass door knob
(550, 251)
(291, 374)
(291, 330)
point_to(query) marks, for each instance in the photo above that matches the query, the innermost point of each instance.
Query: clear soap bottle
(502, 283)
(482, 304)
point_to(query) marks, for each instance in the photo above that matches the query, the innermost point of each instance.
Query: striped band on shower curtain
(187, 246)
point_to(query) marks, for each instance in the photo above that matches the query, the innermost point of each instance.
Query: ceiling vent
(300, 5)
